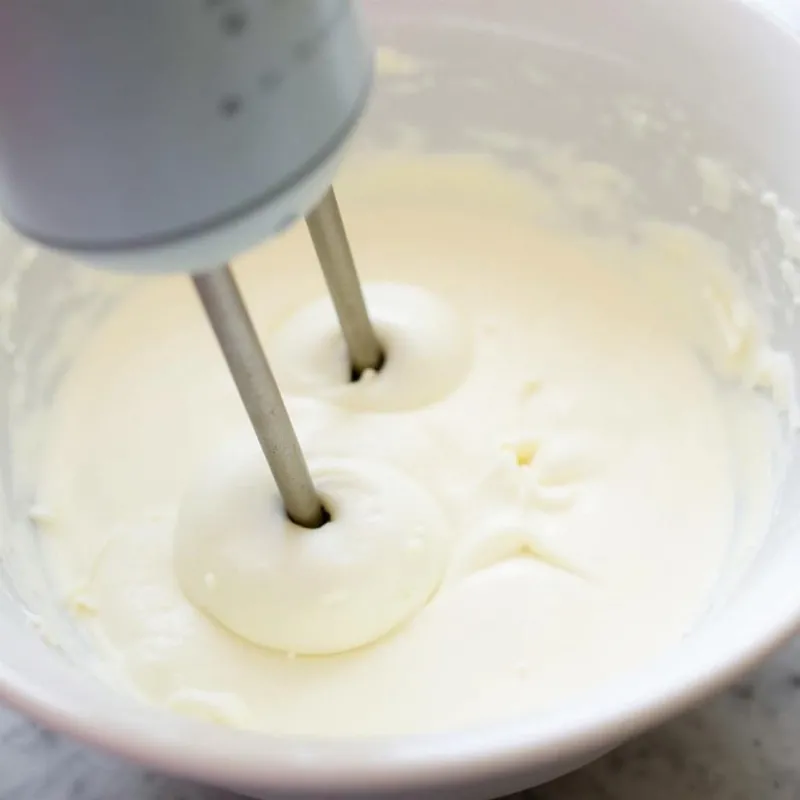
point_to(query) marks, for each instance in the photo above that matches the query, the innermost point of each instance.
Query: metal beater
(253, 377)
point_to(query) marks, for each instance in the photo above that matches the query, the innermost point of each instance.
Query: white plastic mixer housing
(173, 135)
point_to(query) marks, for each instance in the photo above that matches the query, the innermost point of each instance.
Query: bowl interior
(628, 83)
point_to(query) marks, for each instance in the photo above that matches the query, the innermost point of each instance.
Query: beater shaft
(333, 251)
(262, 399)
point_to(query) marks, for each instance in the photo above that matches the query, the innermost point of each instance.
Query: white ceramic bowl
(721, 76)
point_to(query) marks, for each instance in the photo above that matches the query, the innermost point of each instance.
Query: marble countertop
(742, 745)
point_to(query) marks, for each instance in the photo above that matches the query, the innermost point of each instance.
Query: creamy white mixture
(537, 493)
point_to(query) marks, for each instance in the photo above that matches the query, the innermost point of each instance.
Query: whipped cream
(538, 493)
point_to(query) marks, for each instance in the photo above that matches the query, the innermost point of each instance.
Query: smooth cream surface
(558, 440)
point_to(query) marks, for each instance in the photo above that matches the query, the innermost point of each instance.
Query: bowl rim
(249, 760)
(231, 758)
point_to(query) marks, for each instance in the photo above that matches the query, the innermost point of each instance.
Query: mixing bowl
(668, 92)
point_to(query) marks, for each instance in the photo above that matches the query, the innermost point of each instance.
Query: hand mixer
(170, 136)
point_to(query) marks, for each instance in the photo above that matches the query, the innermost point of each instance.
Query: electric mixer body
(172, 136)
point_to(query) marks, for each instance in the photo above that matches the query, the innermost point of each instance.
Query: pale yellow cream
(537, 494)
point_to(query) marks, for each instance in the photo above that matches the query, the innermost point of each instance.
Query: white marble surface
(742, 745)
